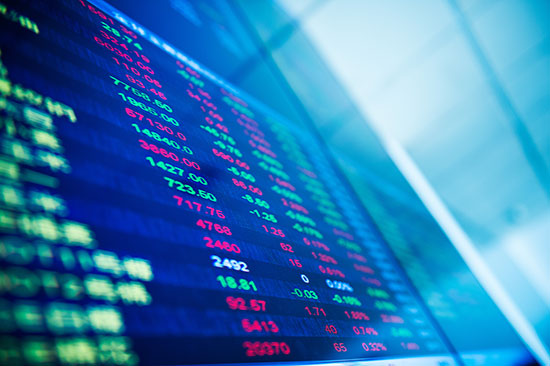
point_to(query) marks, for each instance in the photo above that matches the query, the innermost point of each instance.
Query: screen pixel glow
(152, 214)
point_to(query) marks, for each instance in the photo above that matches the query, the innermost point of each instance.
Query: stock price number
(237, 284)
(238, 303)
(229, 263)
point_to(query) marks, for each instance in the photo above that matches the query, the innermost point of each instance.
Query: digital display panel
(152, 214)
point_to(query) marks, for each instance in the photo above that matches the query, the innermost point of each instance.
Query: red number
(316, 311)
(113, 49)
(324, 258)
(230, 159)
(363, 268)
(331, 271)
(287, 248)
(359, 330)
(128, 32)
(156, 150)
(242, 164)
(372, 281)
(134, 114)
(259, 326)
(316, 244)
(215, 212)
(159, 126)
(222, 245)
(238, 303)
(96, 12)
(295, 262)
(357, 257)
(392, 319)
(223, 155)
(294, 206)
(209, 225)
(340, 347)
(254, 349)
(191, 164)
(197, 206)
(158, 94)
(274, 231)
(137, 82)
(357, 315)
(410, 346)
(373, 347)
(152, 81)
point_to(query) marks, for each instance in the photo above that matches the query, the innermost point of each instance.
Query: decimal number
(229, 263)
(331, 271)
(264, 215)
(126, 39)
(236, 283)
(248, 187)
(373, 347)
(229, 148)
(172, 183)
(223, 245)
(315, 311)
(238, 303)
(258, 349)
(256, 201)
(396, 319)
(339, 285)
(410, 345)
(138, 104)
(401, 332)
(156, 150)
(349, 300)
(199, 207)
(274, 231)
(357, 315)
(220, 135)
(157, 137)
(242, 174)
(360, 330)
(132, 89)
(165, 166)
(324, 258)
(308, 294)
(140, 117)
(385, 305)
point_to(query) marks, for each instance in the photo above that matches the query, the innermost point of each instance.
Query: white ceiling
(456, 84)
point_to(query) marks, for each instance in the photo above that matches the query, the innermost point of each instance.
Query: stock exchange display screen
(152, 214)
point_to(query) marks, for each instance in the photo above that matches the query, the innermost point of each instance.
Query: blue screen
(153, 214)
